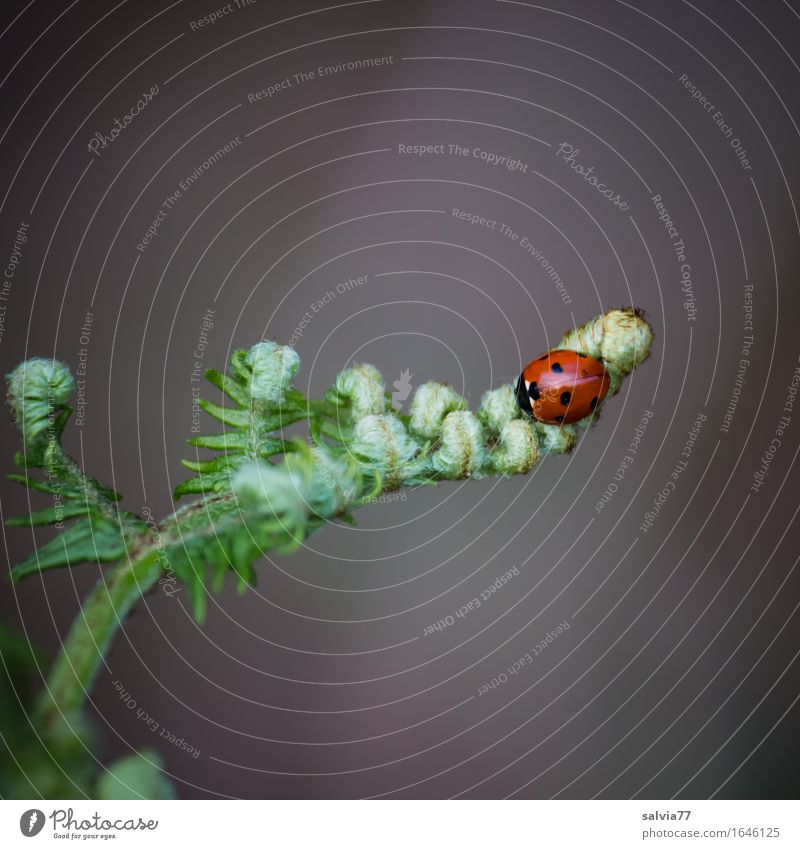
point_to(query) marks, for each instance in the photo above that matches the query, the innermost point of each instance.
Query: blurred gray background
(678, 673)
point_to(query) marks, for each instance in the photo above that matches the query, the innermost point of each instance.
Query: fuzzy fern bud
(274, 489)
(517, 452)
(333, 483)
(462, 452)
(38, 390)
(498, 408)
(431, 403)
(556, 439)
(361, 387)
(385, 447)
(269, 370)
(621, 338)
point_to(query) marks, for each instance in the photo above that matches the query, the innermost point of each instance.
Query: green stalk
(265, 505)
(83, 652)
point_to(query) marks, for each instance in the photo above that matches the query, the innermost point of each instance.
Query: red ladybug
(562, 386)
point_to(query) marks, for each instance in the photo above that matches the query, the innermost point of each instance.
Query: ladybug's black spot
(522, 396)
(566, 397)
(558, 419)
(533, 391)
(556, 367)
(593, 403)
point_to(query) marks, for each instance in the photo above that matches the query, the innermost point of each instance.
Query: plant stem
(83, 652)
(268, 505)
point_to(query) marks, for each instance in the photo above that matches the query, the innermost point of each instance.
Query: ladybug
(562, 386)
